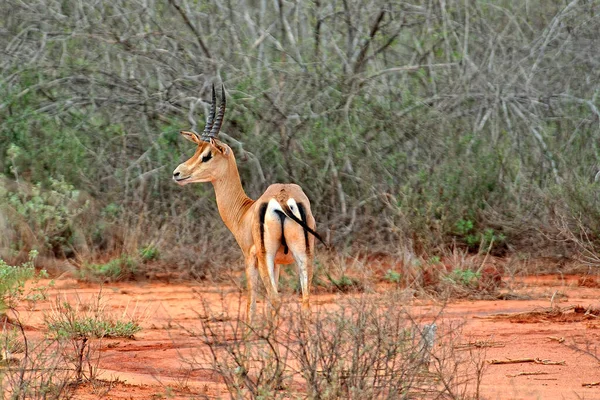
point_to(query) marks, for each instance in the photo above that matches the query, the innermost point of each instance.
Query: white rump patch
(294, 208)
(273, 206)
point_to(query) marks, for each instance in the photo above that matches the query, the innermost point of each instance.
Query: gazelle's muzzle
(179, 177)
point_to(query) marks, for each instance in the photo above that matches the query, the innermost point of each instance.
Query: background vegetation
(414, 126)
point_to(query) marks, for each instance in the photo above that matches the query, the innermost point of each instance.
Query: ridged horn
(214, 132)
(211, 116)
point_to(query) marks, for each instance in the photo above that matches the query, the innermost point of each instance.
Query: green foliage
(12, 282)
(346, 283)
(120, 268)
(149, 253)
(50, 212)
(392, 276)
(87, 320)
(464, 227)
(10, 343)
(434, 260)
(407, 150)
(73, 327)
(478, 240)
(465, 278)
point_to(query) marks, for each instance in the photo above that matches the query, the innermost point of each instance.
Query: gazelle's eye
(207, 157)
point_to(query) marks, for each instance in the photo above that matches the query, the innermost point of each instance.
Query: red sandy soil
(150, 365)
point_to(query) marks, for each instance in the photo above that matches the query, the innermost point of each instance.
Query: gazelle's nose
(178, 177)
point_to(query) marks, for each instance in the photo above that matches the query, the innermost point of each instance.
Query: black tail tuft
(288, 213)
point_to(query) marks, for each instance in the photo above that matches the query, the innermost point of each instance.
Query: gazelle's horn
(211, 117)
(214, 132)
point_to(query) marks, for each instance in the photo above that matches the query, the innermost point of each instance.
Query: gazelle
(278, 228)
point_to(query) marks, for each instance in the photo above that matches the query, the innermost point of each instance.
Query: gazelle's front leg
(252, 280)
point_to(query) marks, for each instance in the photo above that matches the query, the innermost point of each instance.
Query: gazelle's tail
(288, 213)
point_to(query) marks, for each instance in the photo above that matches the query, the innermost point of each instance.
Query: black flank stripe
(302, 212)
(283, 242)
(261, 216)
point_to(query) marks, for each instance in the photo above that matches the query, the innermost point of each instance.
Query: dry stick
(192, 28)
(526, 360)
(360, 60)
(478, 344)
(558, 339)
(591, 384)
(548, 362)
(537, 312)
(510, 361)
(523, 373)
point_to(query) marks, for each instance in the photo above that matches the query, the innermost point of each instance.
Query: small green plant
(77, 324)
(345, 283)
(149, 253)
(87, 319)
(464, 227)
(466, 278)
(491, 237)
(73, 327)
(12, 282)
(121, 268)
(478, 240)
(434, 260)
(392, 276)
(11, 343)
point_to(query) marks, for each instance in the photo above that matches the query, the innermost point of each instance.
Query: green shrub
(149, 253)
(122, 268)
(74, 326)
(12, 281)
(465, 278)
(478, 240)
(392, 276)
(386, 154)
(346, 283)
(49, 212)
(87, 320)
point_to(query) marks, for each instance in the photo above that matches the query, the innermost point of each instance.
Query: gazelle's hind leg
(301, 248)
(271, 241)
(269, 282)
(276, 270)
(252, 281)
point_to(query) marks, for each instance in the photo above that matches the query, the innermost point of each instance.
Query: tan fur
(241, 216)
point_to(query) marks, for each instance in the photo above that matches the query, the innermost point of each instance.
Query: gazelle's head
(211, 159)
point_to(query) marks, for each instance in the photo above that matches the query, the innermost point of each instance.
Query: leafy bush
(394, 143)
(149, 253)
(466, 278)
(392, 276)
(478, 241)
(91, 321)
(12, 281)
(78, 324)
(50, 213)
(121, 268)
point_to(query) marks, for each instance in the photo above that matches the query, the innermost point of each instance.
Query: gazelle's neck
(232, 201)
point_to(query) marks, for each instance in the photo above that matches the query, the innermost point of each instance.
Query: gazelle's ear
(223, 149)
(191, 136)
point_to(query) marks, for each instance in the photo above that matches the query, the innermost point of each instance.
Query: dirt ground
(150, 365)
